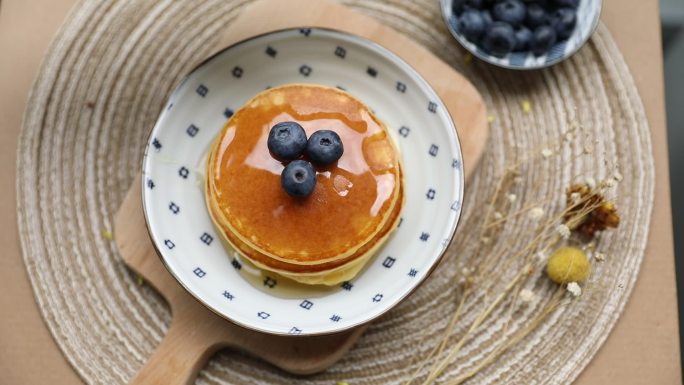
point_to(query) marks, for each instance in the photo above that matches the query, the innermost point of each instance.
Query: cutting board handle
(183, 351)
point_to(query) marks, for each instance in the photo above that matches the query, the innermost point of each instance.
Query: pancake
(354, 206)
(328, 273)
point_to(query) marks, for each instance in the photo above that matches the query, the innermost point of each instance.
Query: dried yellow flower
(568, 264)
(107, 235)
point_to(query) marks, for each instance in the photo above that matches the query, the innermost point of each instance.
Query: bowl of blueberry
(521, 34)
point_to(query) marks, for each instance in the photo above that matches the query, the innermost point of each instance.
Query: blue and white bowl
(588, 15)
(173, 178)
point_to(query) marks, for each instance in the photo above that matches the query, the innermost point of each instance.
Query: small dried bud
(617, 176)
(608, 183)
(568, 136)
(574, 289)
(564, 231)
(535, 213)
(527, 296)
(575, 197)
(591, 183)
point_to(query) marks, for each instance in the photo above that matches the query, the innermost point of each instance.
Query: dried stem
(476, 323)
(554, 304)
(437, 350)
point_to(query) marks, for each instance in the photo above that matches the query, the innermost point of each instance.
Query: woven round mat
(101, 87)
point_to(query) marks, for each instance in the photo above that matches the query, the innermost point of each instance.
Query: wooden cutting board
(196, 332)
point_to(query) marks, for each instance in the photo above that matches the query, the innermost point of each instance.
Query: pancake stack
(328, 236)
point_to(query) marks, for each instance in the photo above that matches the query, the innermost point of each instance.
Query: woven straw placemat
(101, 87)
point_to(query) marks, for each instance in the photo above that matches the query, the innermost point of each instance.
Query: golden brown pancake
(354, 206)
(329, 273)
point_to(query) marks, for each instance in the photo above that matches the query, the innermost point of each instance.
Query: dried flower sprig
(586, 212)
(602, 216)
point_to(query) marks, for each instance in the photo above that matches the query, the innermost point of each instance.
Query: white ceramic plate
(588, 14)
(173, 175)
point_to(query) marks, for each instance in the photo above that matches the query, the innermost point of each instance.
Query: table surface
(642, 349)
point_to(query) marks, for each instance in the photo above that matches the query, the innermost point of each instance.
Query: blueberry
(298, 178)
(566, 3)
(324, 147)
(542, 3)
(499, 39)
(543, 39)
(563, 21)
(523, 37)
(536, 16)
(487, 16)
(471, 24)
(477, 4)
(509, 11)
(458, 6)
(287, 140)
